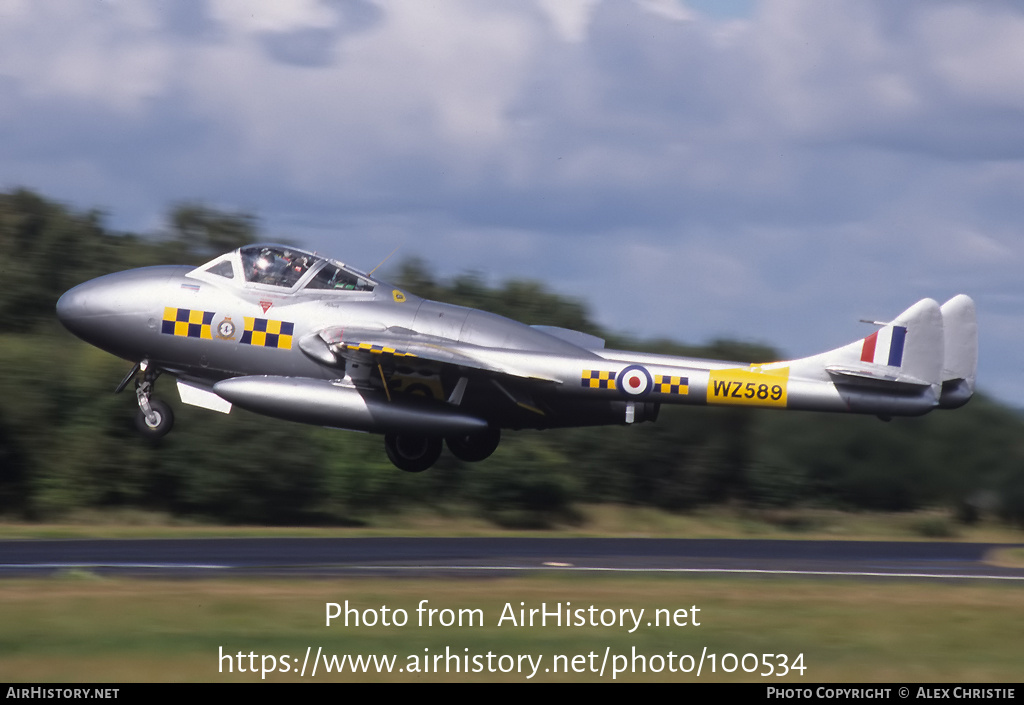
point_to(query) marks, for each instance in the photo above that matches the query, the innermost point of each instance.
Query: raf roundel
(634, 381)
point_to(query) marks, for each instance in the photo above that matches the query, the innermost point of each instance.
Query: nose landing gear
(157, 423)
(154, 419)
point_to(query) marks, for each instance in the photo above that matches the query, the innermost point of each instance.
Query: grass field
(83, 628)
(594, 520)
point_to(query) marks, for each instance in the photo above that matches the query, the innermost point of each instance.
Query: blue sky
(772, 171)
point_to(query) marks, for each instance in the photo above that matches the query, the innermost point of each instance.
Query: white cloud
(102, 54)
(674, 10)
(820, 158)
(570, 18)
(422, 88)
(271, 15)
(978, 52)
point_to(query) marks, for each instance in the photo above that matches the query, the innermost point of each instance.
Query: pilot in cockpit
(278, 267)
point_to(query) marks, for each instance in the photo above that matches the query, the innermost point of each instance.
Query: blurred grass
(597, 520)
(1006, 557)
(84, 628)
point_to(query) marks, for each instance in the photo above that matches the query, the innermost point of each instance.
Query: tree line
(67, 443)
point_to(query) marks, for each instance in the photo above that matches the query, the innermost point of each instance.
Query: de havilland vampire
(294, 335)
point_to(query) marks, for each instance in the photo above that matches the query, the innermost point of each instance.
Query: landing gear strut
(154, 419)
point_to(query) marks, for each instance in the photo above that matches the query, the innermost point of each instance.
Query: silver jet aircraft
(293, 335)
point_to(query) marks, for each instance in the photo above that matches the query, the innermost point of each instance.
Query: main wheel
(161, 426)
(474, 447)
(412, 453)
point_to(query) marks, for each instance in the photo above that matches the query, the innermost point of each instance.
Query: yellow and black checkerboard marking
(264, 333)
(667, 384)
(187, 323)
(378, 349)
(598, 379)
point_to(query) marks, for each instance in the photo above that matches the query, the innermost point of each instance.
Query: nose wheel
(154, 419)
(157, 423)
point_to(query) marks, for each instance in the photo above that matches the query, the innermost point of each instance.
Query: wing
(367, 346)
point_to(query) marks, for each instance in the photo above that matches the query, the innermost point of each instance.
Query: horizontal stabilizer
(872, 378)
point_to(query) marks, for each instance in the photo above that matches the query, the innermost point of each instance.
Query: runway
(481, 557)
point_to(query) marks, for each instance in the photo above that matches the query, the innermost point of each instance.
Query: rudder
(924, 345)
(960, 362)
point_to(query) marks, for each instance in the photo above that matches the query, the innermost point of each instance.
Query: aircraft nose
(111, 312)
(78, 308)
(73, 306)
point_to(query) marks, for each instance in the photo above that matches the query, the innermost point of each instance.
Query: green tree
(200, 233)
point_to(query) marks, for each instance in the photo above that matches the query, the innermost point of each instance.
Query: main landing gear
(413, 453)
(474, 447)
(154, 419)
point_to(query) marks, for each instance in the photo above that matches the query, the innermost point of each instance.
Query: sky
(767, 171)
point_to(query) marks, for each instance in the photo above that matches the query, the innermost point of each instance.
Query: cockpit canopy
(286, 267)
(275, 266)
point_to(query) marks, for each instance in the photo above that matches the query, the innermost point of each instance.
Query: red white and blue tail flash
(885, 347)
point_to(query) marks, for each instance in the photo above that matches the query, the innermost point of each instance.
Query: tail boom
(923, 359)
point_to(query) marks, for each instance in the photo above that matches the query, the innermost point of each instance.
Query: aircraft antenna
(382, 262)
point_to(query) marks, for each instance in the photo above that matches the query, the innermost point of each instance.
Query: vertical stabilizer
(896, 370)
(924, 344)
(909, 350)
(960, 365)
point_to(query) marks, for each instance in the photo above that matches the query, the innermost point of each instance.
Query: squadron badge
(226, 329)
